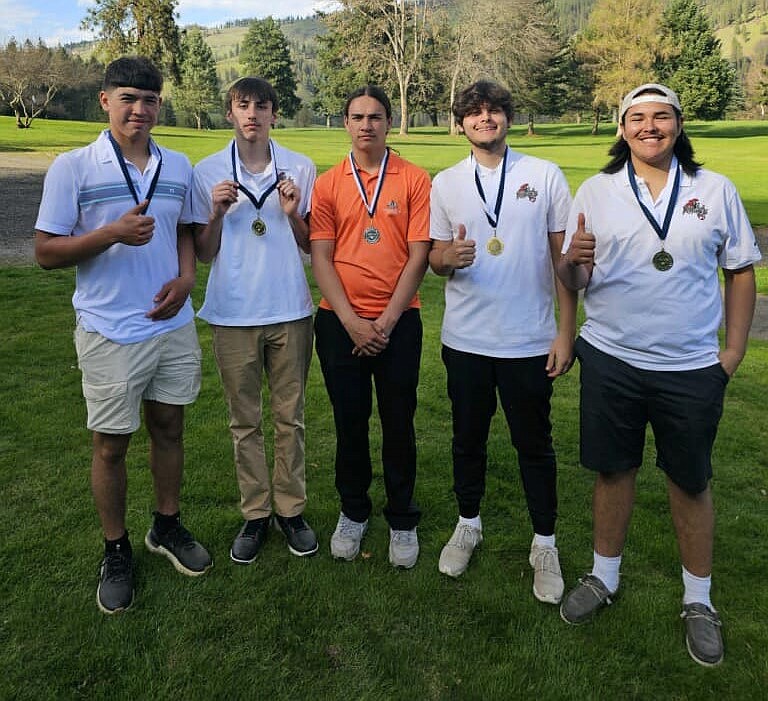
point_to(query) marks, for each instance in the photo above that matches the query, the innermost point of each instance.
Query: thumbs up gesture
(461, 252)
(134, 228)
(581, 250)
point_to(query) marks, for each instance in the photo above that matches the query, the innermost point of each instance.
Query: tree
(404, 26)
(620, 46)
(31, 75)
(265, 53)
(198, 91)
(694, 68)
(144, 27)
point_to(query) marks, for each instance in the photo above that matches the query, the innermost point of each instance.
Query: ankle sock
(473, 522)
(606, 569)
(696, 589)
(544, 541)
(119, 544)
(164, 523)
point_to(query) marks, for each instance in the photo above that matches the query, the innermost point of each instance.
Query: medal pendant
(494, 246)
(663, 261)
(371, 235)
(258, 227)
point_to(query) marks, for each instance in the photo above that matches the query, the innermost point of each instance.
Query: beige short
(117, 378)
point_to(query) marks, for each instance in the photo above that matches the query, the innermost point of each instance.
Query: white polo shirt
(651, 319)
(255, 280)
(502, 306)
(85, 190)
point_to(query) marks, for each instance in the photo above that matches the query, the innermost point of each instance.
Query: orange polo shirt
(369, 271)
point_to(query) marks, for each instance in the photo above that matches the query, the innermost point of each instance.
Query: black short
(618, 401)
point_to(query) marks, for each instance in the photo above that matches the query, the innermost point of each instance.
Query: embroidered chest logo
(391, 207)
(526, 192)
(693, 206)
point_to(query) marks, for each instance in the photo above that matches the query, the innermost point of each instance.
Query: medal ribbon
(370, 208)
(258, 202)
(493, 221)
(128, 181)
(662, 230)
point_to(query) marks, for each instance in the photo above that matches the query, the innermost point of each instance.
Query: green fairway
(290, 628)
(739, 150)
(316, 629)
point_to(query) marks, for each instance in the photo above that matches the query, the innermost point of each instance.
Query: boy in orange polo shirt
(369, 234)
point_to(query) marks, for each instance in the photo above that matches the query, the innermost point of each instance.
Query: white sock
(696, 589)
(473, 522)
(544, 541)
(606, 569)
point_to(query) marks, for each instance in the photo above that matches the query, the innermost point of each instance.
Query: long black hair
(683, 150)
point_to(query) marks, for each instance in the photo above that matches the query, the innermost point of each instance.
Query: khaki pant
(283, 352)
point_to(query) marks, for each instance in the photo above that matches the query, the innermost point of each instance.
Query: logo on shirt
(693, 206)
(391, 207)
(526, 192)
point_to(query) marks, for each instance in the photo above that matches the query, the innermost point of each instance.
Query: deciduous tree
(144, 27)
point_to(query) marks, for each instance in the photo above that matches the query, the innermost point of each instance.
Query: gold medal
(494, 246)
(258, 227)
(663, 261)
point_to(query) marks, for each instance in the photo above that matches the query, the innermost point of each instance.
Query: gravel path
(21, 184)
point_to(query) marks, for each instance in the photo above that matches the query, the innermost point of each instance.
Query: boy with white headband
(645, 240)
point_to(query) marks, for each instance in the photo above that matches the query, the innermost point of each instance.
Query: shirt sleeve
(740, 247)
(559, 202)
(322, 221)
(202, 204)
(418, 208)
(440, 228)
(59, 211)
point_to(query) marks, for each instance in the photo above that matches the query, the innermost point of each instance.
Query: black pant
(348, 381)
(524, 390)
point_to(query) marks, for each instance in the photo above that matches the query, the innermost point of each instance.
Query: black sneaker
(249, 541)
(178, 545)
(301, 538)
(115, 590)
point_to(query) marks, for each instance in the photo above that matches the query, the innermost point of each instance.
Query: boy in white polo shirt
(497, 226)
(645, 240)
(251, 201)
(115, 209)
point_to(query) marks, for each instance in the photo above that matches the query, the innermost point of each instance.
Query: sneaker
(585, 600)
(455, 556)
(301, 538)
(178, 545)
(345, 541)
(249, 541)
(115, 590)
(702, 634)
(547, 579)
(403, 548)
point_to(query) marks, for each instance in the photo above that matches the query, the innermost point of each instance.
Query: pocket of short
(101, 393)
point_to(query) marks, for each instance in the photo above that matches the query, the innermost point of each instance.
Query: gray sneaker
(181, 548)
(547, 579)
(403, 548)
(455, 556)
(702, 634)
(345, 541)
(585, 600)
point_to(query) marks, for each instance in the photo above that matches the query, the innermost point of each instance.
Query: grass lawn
(290, 628)
(739, 150)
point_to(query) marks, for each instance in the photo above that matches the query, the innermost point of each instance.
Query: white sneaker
(403, 548)
(345, 541)
(547, 579)
(456, 554)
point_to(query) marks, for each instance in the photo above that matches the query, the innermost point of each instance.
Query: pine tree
(695, 69)
(198, 92)
(265, 53)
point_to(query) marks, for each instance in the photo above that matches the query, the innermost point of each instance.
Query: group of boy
(500, 226)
